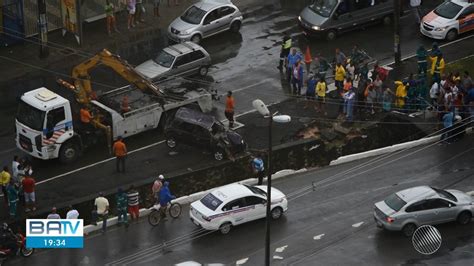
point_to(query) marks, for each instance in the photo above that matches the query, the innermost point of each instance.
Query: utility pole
(269, 193)
(43, 28)
(396, 31)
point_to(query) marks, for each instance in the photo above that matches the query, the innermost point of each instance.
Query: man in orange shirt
(86, 118)
(229, 109)
(120, 152)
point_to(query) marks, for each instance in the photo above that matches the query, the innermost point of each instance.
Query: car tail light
(206, 218)
(390, 219)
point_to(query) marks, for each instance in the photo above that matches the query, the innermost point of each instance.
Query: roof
(231, 191)
(207, 5)
(416, 193)
(43, 99)
(182, 48)
(195, 117)
(463, 2)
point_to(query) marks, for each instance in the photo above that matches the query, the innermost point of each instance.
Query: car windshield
(193, 15)
(256, 190)
(211, 201)
(323, 7)
(30, 116)
(395, 202)
(164, 59)
(448, 10)
(445, 194)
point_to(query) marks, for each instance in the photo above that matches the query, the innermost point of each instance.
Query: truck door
(55, 125)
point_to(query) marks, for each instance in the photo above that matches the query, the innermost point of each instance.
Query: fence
(30, 16)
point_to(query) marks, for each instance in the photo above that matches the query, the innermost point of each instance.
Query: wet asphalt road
(330, 225)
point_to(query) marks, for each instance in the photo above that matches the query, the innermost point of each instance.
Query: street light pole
(396, 32)
(269, 191)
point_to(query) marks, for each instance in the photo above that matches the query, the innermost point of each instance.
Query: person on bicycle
(165, 198)
(157, 185)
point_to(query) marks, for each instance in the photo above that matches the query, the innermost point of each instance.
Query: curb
(184, 200)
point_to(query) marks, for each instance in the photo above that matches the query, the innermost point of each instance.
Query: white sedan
(235, 204)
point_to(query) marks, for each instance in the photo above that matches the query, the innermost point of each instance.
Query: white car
(448, 20)
(235, 204)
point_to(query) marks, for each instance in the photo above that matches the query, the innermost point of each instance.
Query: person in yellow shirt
(321, 92)
(437, 67)
(4, 181)
(339, 77)
(400, 94)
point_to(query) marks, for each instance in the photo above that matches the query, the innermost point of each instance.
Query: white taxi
(448, 20)
(235, 204)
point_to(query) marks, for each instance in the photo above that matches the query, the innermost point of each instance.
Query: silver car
(410, 208)
(204, 19)
(177, 60)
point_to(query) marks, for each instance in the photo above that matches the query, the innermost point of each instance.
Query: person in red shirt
(229, 109)
(28, 184)
(120, 152)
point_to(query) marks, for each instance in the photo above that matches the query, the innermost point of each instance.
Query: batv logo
(62, 233)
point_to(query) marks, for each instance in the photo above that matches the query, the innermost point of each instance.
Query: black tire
(196, 38)
(219, 154)
(69, 152)
(26, 252)
(464, 218)
(331, 35)
(276, 213)
(235, 26)
(203, 71)
(171, 143)
(154, 217)
(451, 35)
(225, 228)
(408, 230)
(175, 210)
(387, 20)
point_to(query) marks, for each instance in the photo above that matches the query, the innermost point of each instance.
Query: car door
(183, 132)
(202, 137)
(234, 211)
(257, 207)
(211, 23)
(196, 60)
(466, 19)
(444, 210)
(226, 14)
(420, 212)
(181, 65)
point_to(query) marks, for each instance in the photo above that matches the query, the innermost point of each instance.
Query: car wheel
(235, 27)
(196, 38)
(387, 20)
(219, 155)
(171, 142)
(331, 35)
(451, 35)
(464, 217)
(203, 71)
(409, 229)
(276, 213)
(225, 228)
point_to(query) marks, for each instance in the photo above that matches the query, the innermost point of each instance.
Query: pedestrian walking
(435, 50)
(297, 79)
(133, 203)
(5, 179)
(349, 100)
(258, 168)
(110, 18)
(387, 100)
(421, 56)
(434, 93)
(437, 67)
(448, 120)
(156, 7)
(122, 205)
(321, 91)
(339, 78)
(291, 61)
(140, 11)
(156, 187)
(229, 109)
(101, 210)
(415, 10)
(120, 153)
(54, 214)
(28, 184)
(12, 196)
(131, 8)
(285, 51)
(72, 213)
(86, 118)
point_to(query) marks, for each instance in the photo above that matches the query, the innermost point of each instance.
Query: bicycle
(174, 210)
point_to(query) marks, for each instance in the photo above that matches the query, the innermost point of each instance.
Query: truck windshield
(448, 10)
(30, 116)
(193, 15)
(164, 59)
(323, 7)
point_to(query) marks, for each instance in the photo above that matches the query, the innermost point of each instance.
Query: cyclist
(157, 187)
(165, 198)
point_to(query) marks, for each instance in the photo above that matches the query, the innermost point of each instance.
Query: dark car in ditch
(193, 128)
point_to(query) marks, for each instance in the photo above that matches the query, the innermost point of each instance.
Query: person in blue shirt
(292, 59)
(165, 198)
(448, 118)
(258, 168)
(310, 90)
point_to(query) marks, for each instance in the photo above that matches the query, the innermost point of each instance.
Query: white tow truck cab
(48, 125)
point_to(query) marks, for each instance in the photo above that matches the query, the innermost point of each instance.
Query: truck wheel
(203, 71)
(69, 152)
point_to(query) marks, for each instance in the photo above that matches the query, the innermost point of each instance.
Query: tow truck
(48, 123)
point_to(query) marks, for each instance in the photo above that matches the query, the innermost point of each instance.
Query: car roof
(416, 193)
(232, 191)
(194, 117)
(207, 5)
(463, 3)
(182, 48)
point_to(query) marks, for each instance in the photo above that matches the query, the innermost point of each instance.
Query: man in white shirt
(72, 213)
(415, 9)
(101, 211)
(53, 214)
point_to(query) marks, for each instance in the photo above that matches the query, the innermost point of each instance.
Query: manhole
(426, 240)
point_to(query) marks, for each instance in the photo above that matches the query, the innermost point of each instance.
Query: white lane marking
(249, 86)
(241, 261)
(281, 249)
(318, 237)
(314, 147)
(357, 224)
(277, 258)
(97, 163)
